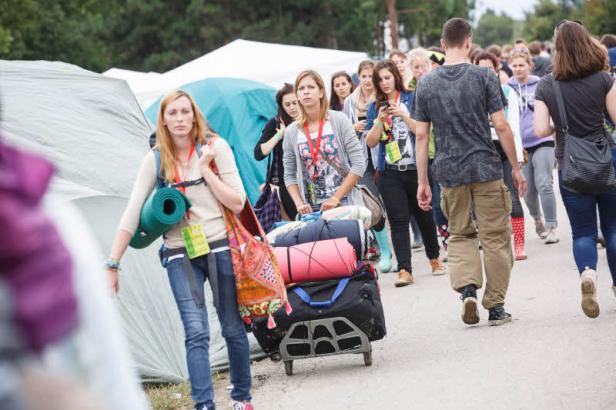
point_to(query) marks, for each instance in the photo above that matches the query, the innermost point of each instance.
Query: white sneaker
(589, 293)
(551, 237)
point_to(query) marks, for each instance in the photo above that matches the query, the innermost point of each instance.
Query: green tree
(66, 31)
(540, 22)
(598, 16)
(158, 35)
(493, 29)
(423, 23)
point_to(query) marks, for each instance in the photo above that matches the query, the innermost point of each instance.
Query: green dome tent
(237, 110)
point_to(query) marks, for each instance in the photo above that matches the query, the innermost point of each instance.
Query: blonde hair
(164, 142)
(521, 53)
(419, 54)
(324, 101)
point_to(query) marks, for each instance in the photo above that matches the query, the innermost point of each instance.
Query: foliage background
(157, 35)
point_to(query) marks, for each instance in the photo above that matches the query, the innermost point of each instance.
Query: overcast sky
(514, 8)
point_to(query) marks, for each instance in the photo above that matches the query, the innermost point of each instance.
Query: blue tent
(237, 110)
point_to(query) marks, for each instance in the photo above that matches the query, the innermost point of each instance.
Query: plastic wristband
(378, 122)
(112, 264)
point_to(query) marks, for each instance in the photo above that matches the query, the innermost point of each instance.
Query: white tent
(267, 63)
(93, 130)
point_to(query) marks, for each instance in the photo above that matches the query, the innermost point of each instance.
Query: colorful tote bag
(259, 285)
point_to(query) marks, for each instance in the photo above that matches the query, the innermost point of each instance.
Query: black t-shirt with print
(457, 100)
(584, 100)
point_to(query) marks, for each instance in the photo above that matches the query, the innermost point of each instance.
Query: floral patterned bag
(259, 285)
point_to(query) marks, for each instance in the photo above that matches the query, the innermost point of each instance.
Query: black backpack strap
(560, 103)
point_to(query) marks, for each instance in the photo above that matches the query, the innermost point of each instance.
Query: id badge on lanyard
(314, 153)
(195, 241)
(393, 151)
(392, 148)
(193, 236)
(312, 193)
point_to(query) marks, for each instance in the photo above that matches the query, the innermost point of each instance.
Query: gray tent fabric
(92, 129)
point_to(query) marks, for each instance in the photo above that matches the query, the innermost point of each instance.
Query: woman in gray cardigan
(320, 141)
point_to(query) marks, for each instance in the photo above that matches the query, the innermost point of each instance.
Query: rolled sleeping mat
(316, 261)
(159, 213)
(319, 230)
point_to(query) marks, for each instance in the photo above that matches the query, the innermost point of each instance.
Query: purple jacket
(526, 105)
(34, 263)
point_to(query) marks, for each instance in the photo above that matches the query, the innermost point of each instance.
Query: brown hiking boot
(437, 267)
(404, 279)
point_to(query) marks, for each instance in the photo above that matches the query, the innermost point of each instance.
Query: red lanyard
(388, 119)
(179, 179)
(314, 150)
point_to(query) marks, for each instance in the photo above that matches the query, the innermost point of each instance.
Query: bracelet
(337, 200)
(112, 264)
(279, 135)
(377, 122)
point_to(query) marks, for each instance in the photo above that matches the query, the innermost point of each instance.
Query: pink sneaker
(242, 405)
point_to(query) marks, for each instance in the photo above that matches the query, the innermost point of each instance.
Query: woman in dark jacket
(270, 144)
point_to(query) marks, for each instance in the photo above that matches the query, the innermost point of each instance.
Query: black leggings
(399, 192)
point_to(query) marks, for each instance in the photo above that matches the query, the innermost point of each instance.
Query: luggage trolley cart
(323, 337)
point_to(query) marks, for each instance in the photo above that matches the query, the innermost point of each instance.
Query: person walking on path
(180, 132)
(356, 109)
(513, 118)
(270, 143)
(314, 146)
(419, 61)
(457, 99)
(538, 171)
(582, 72)
(391, 128)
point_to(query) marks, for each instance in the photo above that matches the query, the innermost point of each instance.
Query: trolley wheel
(368, 358)
(276, 357)
(288, 367)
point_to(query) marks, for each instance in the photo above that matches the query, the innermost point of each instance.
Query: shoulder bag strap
(560, 103)
(333, 164)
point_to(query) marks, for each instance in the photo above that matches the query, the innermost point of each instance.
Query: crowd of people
(449, 138)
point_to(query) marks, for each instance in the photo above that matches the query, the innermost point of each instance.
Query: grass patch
(163, 396)
(169, 396)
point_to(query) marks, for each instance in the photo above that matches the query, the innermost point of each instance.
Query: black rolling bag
(356, 299)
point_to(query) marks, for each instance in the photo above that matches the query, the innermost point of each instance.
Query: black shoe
(470, 313)
(498, 316)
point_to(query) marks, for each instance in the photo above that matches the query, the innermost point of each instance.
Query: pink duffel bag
(315, 261)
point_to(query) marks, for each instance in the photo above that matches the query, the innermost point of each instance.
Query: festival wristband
(112, 264)
(378, 122)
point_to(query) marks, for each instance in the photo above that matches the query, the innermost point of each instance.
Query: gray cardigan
(349, 152)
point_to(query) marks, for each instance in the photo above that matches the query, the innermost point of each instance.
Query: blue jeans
(197, 331)
(582, 211)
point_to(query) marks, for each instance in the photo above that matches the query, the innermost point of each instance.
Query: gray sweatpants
(540, 185)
